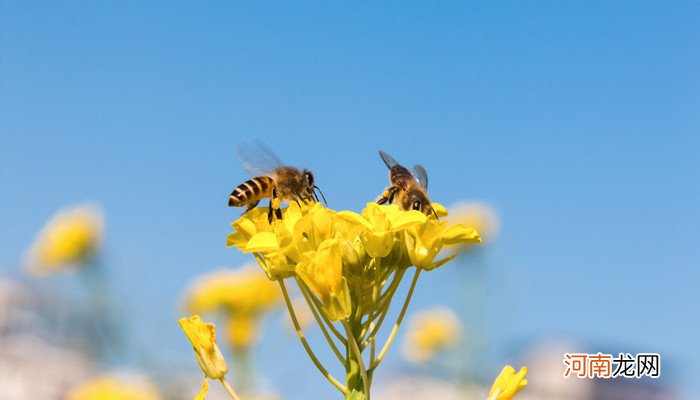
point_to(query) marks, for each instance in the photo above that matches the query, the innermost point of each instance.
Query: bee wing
(421, 175)
(258, 159)
(388, 160)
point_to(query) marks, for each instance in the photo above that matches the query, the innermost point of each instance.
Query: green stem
(384, 310)
(395, 329)
(310, 352)
(244, 376)
(318, 305)
(321, 323)
(358, 357)
(372, 351)
(229, 389)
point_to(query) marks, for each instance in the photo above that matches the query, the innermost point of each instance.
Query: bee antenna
(435, 213)
(322, 196)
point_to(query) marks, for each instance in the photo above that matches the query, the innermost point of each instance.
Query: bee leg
(393, 193)
(322, 196)
(274, 206)
(299, 197)
(388, 195)
(269, 212)
(251, 206)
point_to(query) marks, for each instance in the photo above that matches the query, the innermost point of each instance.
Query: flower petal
(439, 209)
(203, 393)
(459, 233)
(354, 218)
(508, 383)
(262, 241)
(441, 262)
(408, 218)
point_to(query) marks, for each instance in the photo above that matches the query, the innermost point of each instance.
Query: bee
(409, 189)
(275, 181)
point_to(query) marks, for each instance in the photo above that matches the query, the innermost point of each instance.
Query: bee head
(417, 200)
(310, 187)
(308, 179)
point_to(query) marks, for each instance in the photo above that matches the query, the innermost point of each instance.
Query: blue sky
(578, 122)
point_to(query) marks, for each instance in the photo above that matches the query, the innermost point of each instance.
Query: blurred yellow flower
(242, 291)
(114, 387)
(203, 338)
(70, 239)
(430, 332)
(508, 383)
(243, 296)
(481, 216)
(242, 330)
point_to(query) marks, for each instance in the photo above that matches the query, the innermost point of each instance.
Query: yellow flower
(272, 244)
(379, 225)
(480, 216)
(242, 330)
(243, 296)
(114, 387)
(430, 332)
(323, 273)
(203, 338)
(345, 257)
(508, 383)
(70, 239)
(241, 291)
(424, 241)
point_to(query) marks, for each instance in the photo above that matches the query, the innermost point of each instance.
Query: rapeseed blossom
(242, 296)
(481, 216)
(114, 387)
(348, 267)
(430, 332)
(70, 239)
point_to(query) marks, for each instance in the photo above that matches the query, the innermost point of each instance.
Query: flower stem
(229, 389)
(395, 329)
(244, 377)
(310, 352)
(318, 305)
(358, 356)
(320, 322)
(383, 310)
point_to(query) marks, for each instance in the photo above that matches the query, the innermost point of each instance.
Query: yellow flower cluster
(70, 239)
(243, 296)
(430, 332)
(508, 383)
(344, 255)
(114, 387)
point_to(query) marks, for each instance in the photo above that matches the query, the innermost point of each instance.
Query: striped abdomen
(400, 176)
(251, 191)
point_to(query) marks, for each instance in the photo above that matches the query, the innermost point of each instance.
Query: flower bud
(203, 338)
